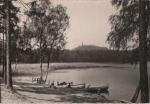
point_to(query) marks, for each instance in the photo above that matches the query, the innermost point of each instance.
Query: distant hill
(90, 48)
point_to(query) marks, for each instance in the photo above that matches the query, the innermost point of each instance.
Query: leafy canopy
(125, 24)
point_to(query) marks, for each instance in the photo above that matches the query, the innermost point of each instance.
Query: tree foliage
(47, 25)
(125, 25)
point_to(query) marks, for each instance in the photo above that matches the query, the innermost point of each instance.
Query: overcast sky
(88, 21)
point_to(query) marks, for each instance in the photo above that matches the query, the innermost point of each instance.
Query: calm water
(122, 81)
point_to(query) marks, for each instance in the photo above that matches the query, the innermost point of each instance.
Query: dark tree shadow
(65, 94)
(36, 88)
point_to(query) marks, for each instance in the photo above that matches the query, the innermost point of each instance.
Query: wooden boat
(96, 90)
(102, 89)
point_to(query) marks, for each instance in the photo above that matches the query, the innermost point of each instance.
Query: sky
(88, 21)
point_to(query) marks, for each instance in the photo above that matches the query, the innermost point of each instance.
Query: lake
(122, 79)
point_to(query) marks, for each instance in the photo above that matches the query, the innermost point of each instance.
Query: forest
(114, 56)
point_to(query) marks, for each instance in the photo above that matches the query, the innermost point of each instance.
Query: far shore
(34, 69)
(25, 69)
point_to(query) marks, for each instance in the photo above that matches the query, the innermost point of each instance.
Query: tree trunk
(16, 59)
(143, 52)
(4, 53)
(41, 63)
(48, 62)
(5, 71)
(4, 61)
(3, 57)
(47, 71)
(16, 62)
(136, 94)
(8, 58)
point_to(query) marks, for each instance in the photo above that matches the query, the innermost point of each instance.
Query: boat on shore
(101, 89)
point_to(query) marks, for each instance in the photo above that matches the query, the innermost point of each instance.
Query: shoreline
(34, 69)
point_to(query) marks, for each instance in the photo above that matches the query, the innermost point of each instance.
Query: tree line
(124, 56)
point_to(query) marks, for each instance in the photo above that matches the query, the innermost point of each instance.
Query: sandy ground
(9, 97)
